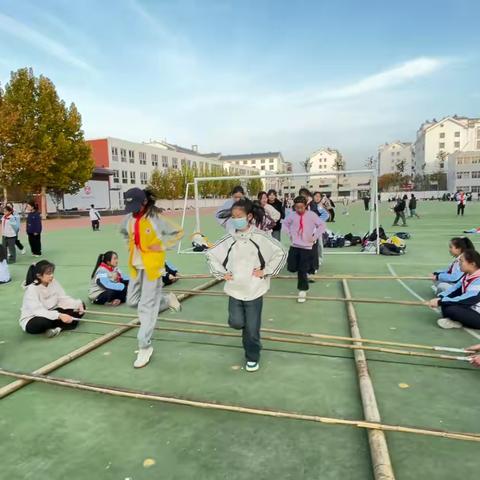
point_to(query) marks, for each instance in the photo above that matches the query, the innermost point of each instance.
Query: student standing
(10, 227)
(272, 215)
(324, 216)
(304, 228)
(277, 204)
(246, 259)
(4, 272)
(149, 235)
(366, 202)
(94, 218)
(331, 209)
(222, 216)
(461, 200)
(18, 243)
(46, 308)
(34, 228)
(412, 206)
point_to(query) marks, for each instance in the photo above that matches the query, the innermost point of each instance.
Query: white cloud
(40, 41)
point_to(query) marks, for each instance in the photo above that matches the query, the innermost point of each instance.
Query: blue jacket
(455, 273)
(34, 223)
(465, 296)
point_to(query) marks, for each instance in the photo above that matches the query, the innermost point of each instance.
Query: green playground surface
(51, 432)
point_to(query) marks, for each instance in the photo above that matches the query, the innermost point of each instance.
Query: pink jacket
(303, 230)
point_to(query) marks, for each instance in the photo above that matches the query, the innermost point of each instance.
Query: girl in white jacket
(46, 307)
(246, 259)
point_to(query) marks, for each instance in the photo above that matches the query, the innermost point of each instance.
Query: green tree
(338, 165)
(254, 185)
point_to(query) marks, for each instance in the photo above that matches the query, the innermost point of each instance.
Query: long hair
(150, 209)
(260, 195)
(37, 270)
(472, 256)
(248, 207)
(103, 258)
(462, 243)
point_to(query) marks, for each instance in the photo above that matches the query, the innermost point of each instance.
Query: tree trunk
(5, 195)
(43, 202)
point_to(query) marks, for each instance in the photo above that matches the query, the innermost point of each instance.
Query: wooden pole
(63, 360)
(151, 396)
(381, 463)
(324, 277)
(282, 332)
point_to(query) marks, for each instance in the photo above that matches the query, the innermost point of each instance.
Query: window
(124, 176)
(271, 160)
(245, 162)
(164, 161)
(456, 144)
(116, 178)
(475, 174)
(142, 157)
(143, 178)
(123, 155)
(175, 162)
(441, 145)
(442, 135)
(271, 167)
(131, 156)
(201, 166)
(457, 134)
(154, 160)
(476, 189)
(115, 154)
(262, 161)
(132, 177)
(263, 167)
(478, 144)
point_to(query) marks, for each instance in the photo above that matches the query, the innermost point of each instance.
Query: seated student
(170, 275)
(4, 272)
(46, 307)
(444, 279)
(460, 304)
(108, 285)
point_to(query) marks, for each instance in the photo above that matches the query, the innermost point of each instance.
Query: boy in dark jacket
(34, 228)
(412, 206)
(399, 210)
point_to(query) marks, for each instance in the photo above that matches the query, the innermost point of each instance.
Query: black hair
(92, 205)
(33, 204)
(8, 208)
(3, 253)
(261, 194)
(300, 199)
(248, 207)
(37, 270)
(238, 189)
(304, 192)
(150, 209)
(405, 197)
(329, 195)
(462, 243)
(314, 193)
(272, 191)
(472, 256)
(103, 258)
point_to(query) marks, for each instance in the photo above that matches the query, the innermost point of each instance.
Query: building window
(116, 178)
(123, 155)
(271, 160)
(475, 189)
(245, 162)
(131, 156)
(124, 176)
(132, 177)
(271, 167)
(143, 178)
(164, 161)
(441, 145)
(478, 144)
(475, 174)
(175, 162)
(263, 167)
(457, 134)
(442, 135)
(262, 161)
(142, 156)
(154, 160)
(194, 165)
(115, 154)
(201, 166)
(456, 144)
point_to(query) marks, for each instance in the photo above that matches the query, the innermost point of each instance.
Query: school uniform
(461, 302)
(303, 230)
(34, 232)
(42, 306)
(240, 253)
(10, 227)
(107, 284)
(448, 277)
(95, 219)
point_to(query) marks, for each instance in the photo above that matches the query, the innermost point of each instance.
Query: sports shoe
(143, 357)
(252, 366)
(53, 332)
(302, 296)
(173, 303)
(447, 323)
(23, 251)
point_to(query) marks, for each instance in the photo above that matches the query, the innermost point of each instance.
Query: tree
(338, 165)
(254, 185)
(387, 181)
(42, 144)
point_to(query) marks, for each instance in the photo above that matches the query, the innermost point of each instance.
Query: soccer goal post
(288, 184)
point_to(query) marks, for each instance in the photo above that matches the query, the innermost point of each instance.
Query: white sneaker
(447, 323)
(252, 366)
(23, 252)
(143, 357)
(53, 332)
(302, 296)
(173, 303)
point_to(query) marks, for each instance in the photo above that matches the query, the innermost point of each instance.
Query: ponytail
(248, 207)
(37, 270)
(103, 258)
(462, 243)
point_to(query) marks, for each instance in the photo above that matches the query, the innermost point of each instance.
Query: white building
(268, 163)
(396, 157)
(324, 160)
(437, 139)
(463, 171)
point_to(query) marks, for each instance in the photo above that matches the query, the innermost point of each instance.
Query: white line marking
(415, 294)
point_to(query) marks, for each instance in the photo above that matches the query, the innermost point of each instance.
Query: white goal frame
(374, 214)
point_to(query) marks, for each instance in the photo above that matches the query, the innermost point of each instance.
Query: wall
(95, 191)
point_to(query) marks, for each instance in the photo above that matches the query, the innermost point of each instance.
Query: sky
(241, 76)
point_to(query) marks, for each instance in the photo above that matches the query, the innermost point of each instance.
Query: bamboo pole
(78, 352)
(151, 396)
(302, 342)
(284, 332)
(381, 463)
(411, 303)
(189, 276)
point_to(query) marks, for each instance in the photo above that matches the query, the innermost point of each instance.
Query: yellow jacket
(155, 232)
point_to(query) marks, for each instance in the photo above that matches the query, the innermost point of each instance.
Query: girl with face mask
(246, 258)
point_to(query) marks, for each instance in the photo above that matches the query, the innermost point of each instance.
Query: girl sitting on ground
(46, 307)
(460, 304)
(444, 279)
(246, 259)
(108, 285)
(4, 272)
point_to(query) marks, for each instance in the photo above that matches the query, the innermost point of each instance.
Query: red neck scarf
(110, 269)
(300, 228)
(468, 279)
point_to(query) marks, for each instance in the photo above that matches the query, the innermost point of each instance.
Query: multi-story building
(324, 160)
(396, 157)
(437, 139)
(266, 163)
(463, 171)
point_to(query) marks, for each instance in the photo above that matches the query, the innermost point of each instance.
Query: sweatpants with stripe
(149, 299)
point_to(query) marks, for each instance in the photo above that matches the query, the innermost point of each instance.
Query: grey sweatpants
(148, 296)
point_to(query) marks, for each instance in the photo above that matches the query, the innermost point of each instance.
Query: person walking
(399, 210)
(10, 227)
(461, 200)
(34, 228)
(366, 202)
(412, 206)
(18, 243)
(94, 218)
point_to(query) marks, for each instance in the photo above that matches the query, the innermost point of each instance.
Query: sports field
(52, 432)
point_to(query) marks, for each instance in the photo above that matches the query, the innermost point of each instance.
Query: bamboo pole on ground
(283, 332)
(381, 463)
(189, 276)
(151, 396)
(78, 352)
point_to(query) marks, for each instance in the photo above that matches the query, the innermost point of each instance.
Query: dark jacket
(277, 205)
(412, 204)
(34, 223)
(400, 206)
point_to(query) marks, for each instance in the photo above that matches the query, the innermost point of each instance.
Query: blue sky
(242, 76)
